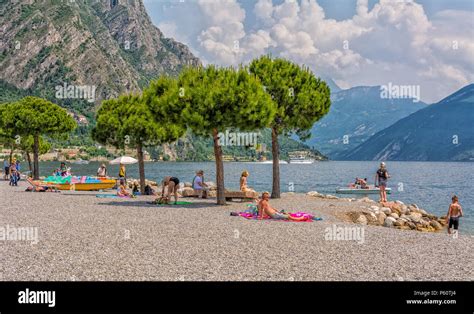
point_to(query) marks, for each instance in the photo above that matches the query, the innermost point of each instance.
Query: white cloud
(394, 41)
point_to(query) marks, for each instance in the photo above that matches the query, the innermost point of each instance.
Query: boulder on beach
(436, 225)
(389, 221)
(415, 217)
(399, 222)
(188, 185)
(187, 191)
(386, 210)
(362, 220)
(371, 218)
(381, 218)
(331, 197)
(411, 225)
(394, 215)
(374, 208)
(313, 193)
(365, 200)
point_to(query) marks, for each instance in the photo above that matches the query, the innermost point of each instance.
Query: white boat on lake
(301, 160)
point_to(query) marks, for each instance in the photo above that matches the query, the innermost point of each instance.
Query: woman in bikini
(172, 183)
(243, 182)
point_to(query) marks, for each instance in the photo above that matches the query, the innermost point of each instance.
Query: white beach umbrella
(126, 160)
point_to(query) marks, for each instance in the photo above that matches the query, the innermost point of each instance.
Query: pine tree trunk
(141, 168)
(36, 157)
(219, 169)
(276, 164)
(30, 166)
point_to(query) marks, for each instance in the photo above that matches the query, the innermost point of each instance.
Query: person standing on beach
(381, 178)
(6, 168)
(102, 171)
(172, 183)
(123, 173)
(454, 213)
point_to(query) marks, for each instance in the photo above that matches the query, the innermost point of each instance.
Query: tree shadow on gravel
(136, 203)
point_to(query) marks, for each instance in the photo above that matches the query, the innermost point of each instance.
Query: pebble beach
(84, 238)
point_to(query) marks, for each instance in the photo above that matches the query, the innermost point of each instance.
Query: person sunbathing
(264, 208)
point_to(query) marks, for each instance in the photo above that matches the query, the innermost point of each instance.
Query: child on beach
(454, 212)
(122, 190)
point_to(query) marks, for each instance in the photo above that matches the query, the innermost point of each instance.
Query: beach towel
(110, 196)
(252, 213)
(171, 203)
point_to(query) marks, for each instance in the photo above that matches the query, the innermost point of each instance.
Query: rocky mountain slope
(109, 44)
(440, 132)
(355, 115)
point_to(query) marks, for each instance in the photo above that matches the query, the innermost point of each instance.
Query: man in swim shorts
(454, 213)
(265, 208)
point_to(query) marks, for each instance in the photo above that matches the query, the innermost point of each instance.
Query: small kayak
(371, 190)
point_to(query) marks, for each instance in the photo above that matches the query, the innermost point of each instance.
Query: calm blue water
(428, 184)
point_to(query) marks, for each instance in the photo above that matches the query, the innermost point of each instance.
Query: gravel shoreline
(82, 237)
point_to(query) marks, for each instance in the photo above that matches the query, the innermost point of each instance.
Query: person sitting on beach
(6, 168)
(102, 171)
(264, 208)
(172, 183)
(122, 190)
(243, 182)
(454, 212)
(199, 186)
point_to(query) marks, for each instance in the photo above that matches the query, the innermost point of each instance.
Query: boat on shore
(353, 190)
(81, 183)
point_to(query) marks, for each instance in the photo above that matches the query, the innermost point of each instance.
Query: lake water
(428, 184)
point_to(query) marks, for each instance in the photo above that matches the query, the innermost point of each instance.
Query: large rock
(381, 218)
(331, 197)
(436, 225)
(361, 219)
(187, 191)
(188, 185)
(389, 221)
(394, 215)
(396, 208)
(400, 202)
(366, 200)
(423, 212)
(406, 217)
(399, 222)
(371, 218)
(424, 223)
(374, 208)
(415, 217)
(404, 209)
(386, 210)
(411, 225)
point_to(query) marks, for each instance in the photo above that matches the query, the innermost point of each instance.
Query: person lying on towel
(265, 208)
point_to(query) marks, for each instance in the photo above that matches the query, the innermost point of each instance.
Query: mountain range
(440, 132)
(354, 116)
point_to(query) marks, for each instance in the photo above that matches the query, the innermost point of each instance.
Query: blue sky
(356, 42)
